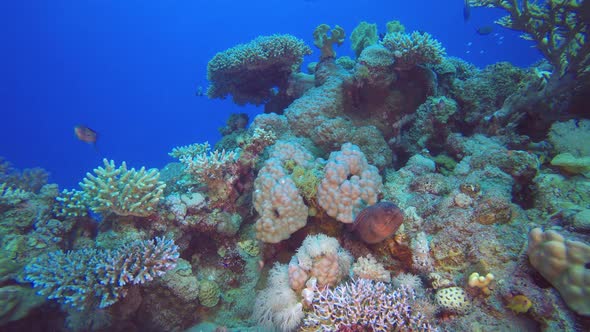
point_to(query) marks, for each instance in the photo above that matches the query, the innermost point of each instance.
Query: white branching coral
(366, 303)
(122, 191)
(189, 151)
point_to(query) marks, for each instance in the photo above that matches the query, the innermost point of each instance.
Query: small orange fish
(85, 134)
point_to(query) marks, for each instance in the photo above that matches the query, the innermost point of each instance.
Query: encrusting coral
(122, 191)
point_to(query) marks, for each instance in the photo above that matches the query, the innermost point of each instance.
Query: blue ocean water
(130, 69)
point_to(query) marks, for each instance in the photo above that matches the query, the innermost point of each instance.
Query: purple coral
(88, 277)
(366, 303)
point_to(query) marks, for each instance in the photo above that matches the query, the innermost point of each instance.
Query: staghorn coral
(410, 50)
(91, 277)
(367, 303)
(250, 71)
(218, 171)
(122, 191)
(11, 196)
(557, 27)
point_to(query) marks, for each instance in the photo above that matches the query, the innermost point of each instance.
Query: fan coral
(368, 303)
(122, 191)
(250, 71)
(87, 277)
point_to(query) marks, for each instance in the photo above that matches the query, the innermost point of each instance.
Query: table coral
(249, 72)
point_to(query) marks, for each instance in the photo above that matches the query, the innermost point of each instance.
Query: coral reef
(422, 169)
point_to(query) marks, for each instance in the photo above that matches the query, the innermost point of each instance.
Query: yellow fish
(519, 304)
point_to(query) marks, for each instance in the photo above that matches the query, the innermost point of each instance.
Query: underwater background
(130, 70)
(307, 165)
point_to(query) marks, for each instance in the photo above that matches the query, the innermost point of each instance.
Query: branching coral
(217, 170)
(90, 277)
(249, 72)
(122, 191)
(189, 151)
(369, 304)
(556, 27)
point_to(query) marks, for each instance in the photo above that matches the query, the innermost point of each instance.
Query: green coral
(324, 39)
(365, 34)
(122, 191)
(307, 181)
(395, 26)
(209, 293)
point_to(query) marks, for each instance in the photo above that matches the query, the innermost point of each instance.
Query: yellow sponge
(475, 280)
